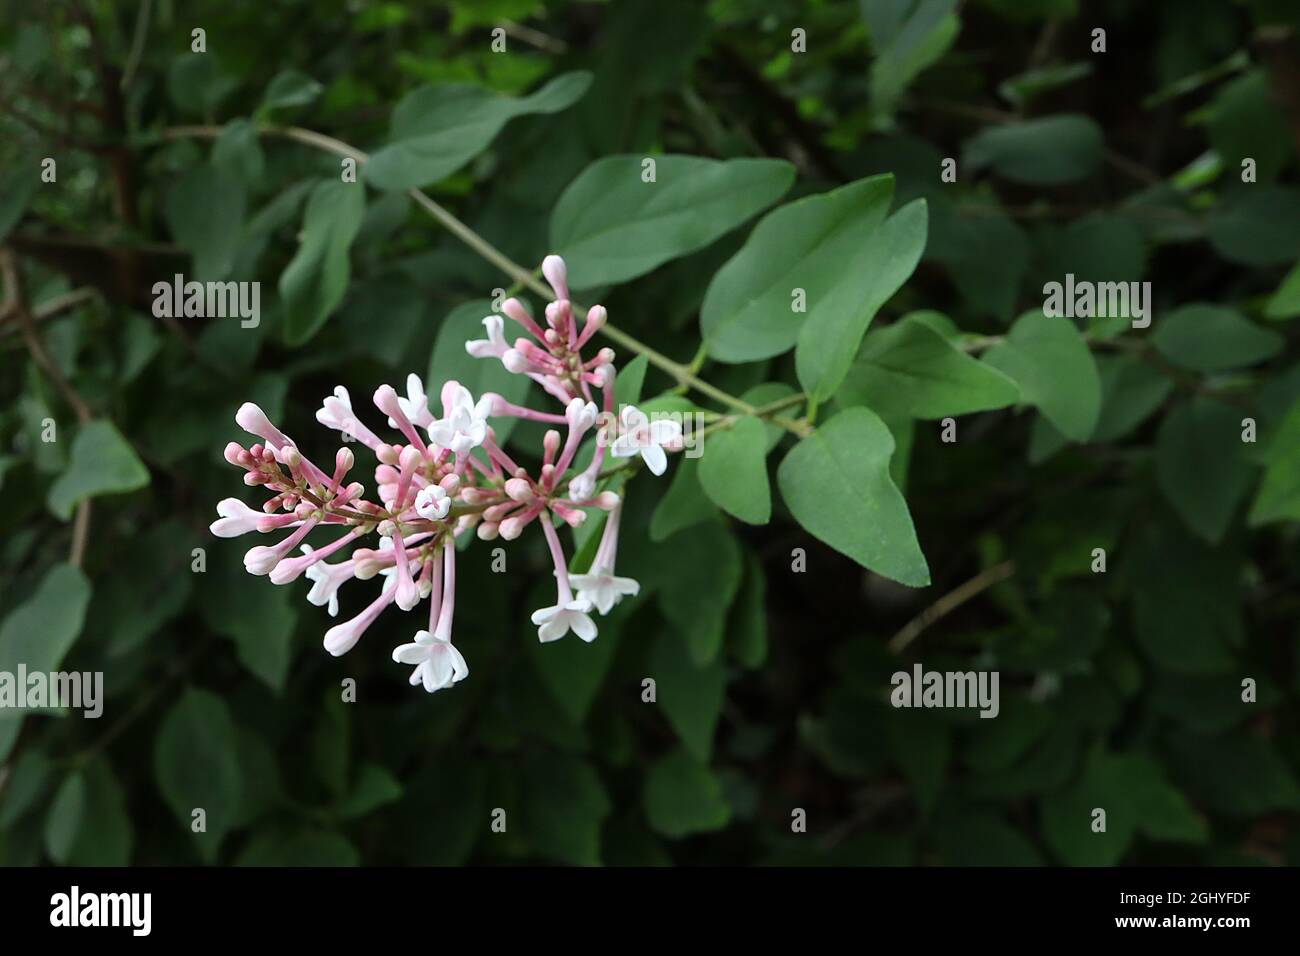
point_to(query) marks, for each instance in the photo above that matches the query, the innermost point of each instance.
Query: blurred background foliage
(1120, 690)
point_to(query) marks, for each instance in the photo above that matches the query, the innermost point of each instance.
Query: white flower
(325, 580)
(416, 404)
(555, 622)
(646, 437)
(336, 412)
(432, 503)
(236, 519)
(582, 486)
(464, 425)
(600, 587)
(495, 344)
(438, 663)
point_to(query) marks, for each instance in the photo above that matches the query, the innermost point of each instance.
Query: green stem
(680, 373)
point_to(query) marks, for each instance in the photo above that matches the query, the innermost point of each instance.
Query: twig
(949, 603)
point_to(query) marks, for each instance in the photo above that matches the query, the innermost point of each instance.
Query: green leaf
(690, 694)
(1240, 774)
(374, 787)
(831, 336)
(209, 230)
(17, 186)
(437, 129)
(1278, 498)
(747, 627)
(1200, 466)
(314, 282)
(197, 84)
(1285, 303)
(1131, 392)
(564, 804)
(684, 503)
(683, 797)
(699, 584)
(573, 671)
(733, 471)
(259, 620)
(301, 845)
(196, 765)
(1257, 225)
(628, 383)
(290, 88)
(919, 742)
(105, 836)
(1210, 338)
(825, 245)
(63, 822)
(610, 225)
(1245, 123)
(40, 631)
(837, 485)
(1047, 357)
(1040, 152)
(909, 369)
(102, 463)
(449, 361)
(1136, 796)
(984, 250)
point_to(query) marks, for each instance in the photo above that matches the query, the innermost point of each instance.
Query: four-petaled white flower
(432, 503)
(602, 588)
(437, 662)
(464, 424)
(416, 404)
(325, 580)
(640, 435)
(495, 344)
(236, 518)
(556, 621)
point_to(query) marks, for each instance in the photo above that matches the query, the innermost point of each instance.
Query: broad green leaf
(564, 804)
(443, 810)
(684, 503)
(981, 838)
(747, 626)
(837, 485)
(290, 88)
(628, 383)
(1285, 303)
(197, 84)
(314, 282)
(1278, 498)
(1210, 338)
(64, 820)
(698, 585)
(105, 837)
(300, 845)
(1047, 357)
(984, 250)
(205, 212)
(920, 743)
(437, 129)
(1257, 225)
(1131, 392)
(238, 152)
(197, 767)
(41, 630)
(683, 797)
(29, 781)
(259, 619)
(690, 694)
(1136, 796)
(449, 361)
(909, 369)
(1200, 466)
(374, 787)
(831, 336)
(17, 187)
(817, 252)
(611, 225)
(1246, 123)
(102, 463)
(733, 470)
(1039, 152)
(1240, 774)
(573, 671)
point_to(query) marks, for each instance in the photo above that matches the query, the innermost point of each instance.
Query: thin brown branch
(949, 603)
